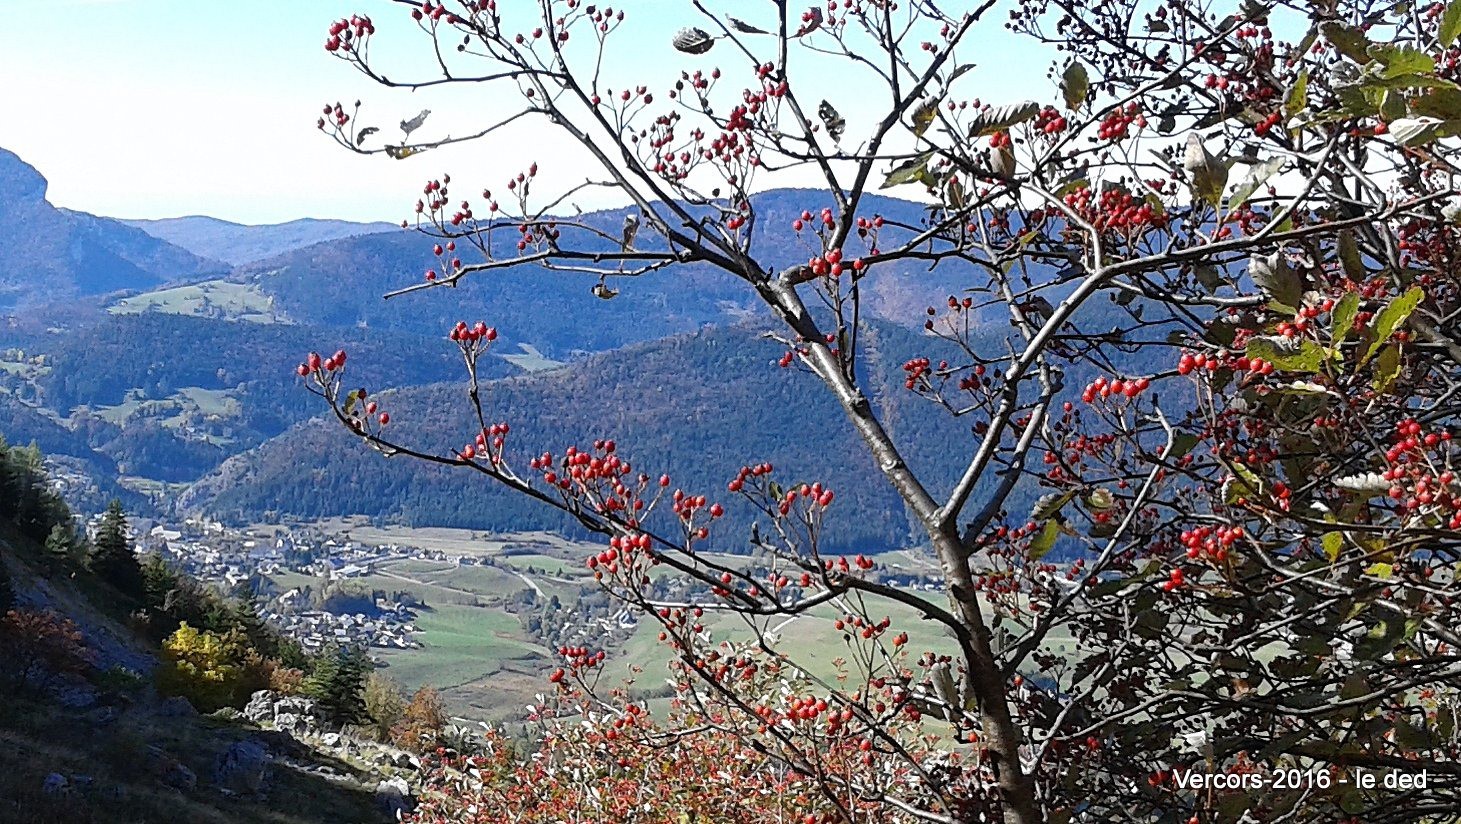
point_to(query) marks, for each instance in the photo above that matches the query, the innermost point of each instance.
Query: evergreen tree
(112, 558)
(60, 544)
(338, 684)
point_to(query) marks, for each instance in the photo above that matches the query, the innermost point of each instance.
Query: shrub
(38, 643)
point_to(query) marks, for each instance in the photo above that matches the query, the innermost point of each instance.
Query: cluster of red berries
(1117, 208)
(468, 336)
(1210, 542)
(1050, 121)
(1175, 580)
(1117, 124)
(747, 472)
(856, 624)
(345, 33)
(917, 369)
(335, 112)
(577, 659)
(1103, 388)
(686, 506)
(315, 363)
(1000, 140)
(1263, 126)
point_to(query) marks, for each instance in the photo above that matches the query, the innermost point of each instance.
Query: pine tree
(338, 683)
(112, 558)
(60, 544)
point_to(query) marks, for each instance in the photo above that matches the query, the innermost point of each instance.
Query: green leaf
(1044, 541)
(1333, 545)
(1075, 84)
(924, 115)
(1343, 317)
(1390, 319)
(1387, 368)
(1001, 118)
(1349, 257)
(351, 399)
(1399, 59)
(1277, 279)
(1048, 506)
(1297, 98)
(909, 172)
(1450, 24)
(1347, 40)
(1256, 177)
(1381, 571)
(1245, 484)
(1307, 356)
(1416, 131)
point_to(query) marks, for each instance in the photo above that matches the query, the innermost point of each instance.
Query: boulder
(330, 739)
(165, 767)
(176, 707)
(292, 713)
(242, 768)
(393, 796)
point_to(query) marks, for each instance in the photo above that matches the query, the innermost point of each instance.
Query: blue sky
(159, 108)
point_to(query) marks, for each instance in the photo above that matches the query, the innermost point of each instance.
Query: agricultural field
(531, 360)
(209, 299)
(487, 668)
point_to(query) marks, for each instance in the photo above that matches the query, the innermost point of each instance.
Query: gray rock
(169, 770)
(227, 714)
(55, 784)
(393, 795)
(242, 768)
(330, 739)
(176, 707)
(292, 713)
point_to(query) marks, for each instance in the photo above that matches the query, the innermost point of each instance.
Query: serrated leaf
(924, 115)
(1390, 319)
(1277, 279)
(1333, 545)
(1344, 314)
(1306, 356)
(1075, 84)
(1347, 40)
(1256, 177)
(1297, 98)
(1044, 541)
(908, 172)
(1450, 24)
(1399, 59)
(1001, 118)
(1209, 175)
(1387, 368)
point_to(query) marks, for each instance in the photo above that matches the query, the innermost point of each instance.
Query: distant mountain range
(237, 244)
(49, 255)
(169, 373)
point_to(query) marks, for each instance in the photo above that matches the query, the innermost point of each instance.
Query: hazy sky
(159, 108)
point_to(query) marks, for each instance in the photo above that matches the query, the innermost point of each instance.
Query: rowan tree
(1209, 312)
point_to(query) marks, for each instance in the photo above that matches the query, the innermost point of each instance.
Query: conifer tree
(338, 684)
(112, 557)
(60, 544)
